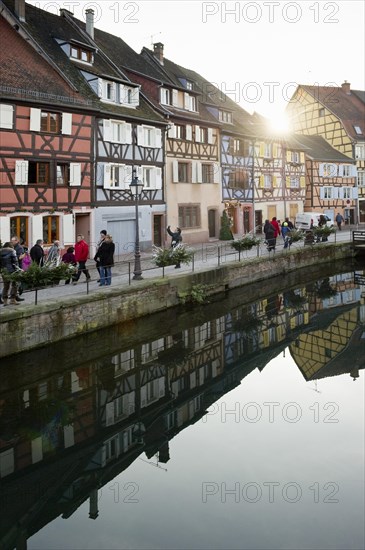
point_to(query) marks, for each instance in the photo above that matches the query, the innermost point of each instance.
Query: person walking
(81, 255)
(276, 225)
(20, 254)
(37, 253)
(176, 239)
(69, 258)
(269, 231)
(339, 220)
(103, 234)
(9, 263)
(285, 233)
(105, 257)
(290, 224)
(54, 254)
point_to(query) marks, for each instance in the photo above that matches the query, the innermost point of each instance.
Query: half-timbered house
(337, 113)
(45, 143)
(126, 132)
(330, 179)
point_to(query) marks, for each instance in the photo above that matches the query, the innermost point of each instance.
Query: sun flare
(279, 124)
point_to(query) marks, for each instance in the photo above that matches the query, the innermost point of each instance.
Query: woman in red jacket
(81, 255)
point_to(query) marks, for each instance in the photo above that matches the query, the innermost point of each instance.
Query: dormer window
(358, 130)
(165, 96)
(189, 85)
(81, 54)
(225, 116)
(128, 95)
(189, 102)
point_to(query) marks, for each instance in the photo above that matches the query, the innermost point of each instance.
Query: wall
(35, 326)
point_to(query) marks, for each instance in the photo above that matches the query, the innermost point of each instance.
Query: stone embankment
(28, 326)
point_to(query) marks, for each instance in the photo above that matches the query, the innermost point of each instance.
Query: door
(349, 216)
(124, 235)
(246, 221)
(258, 221)
(82, 222)
(211, 223)
(157, 229)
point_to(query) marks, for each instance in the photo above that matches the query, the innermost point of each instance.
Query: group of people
(274, 228)
(15, 256)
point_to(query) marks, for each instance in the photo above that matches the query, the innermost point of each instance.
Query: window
(360, 151)
(346, 171)
(19, 227)
(62, 174)
(236, 146)
(189, 85)
(361, 178)
(6, 116)
(128, 96)
(225, 116)
(189, 216)
(347, 192)
(358, 130)
(50, 228)
(239, 179)
(203, 135)
(116, 176)
(38, 172)
(328, 170)
(107, 90)
(327, 192)
(267, 181)
(294, 183)
(207, 173)
(321, 112)
(295, 157)
(267, 150)
(180, 131)
(184, 170)
(148, 136)
(165, 95)
(81, 54)
(50, 122)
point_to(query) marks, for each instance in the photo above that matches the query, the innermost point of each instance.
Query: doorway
(82, 226)
(211, 223)
(246, 221)
(258, 221)
(157, 229)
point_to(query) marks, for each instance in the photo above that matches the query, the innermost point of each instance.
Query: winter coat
(69, 258)
(53, 256)
(8, 260)
(276, 226)
(269, 231)
(105, 254)
(176, 237)
(19, 251)
(81, 251)
(37, 254)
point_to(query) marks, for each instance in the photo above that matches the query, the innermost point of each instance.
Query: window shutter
(288, 156)
(354, 171)
(261, 180)
(158, 138)
(198, 169)
(275, 150)
(140, 135)
(161, 387)
(162, 96)
(216, 172)
(68, 436)
(340, 170)
(127, 133)
(75, 173)
(21, 172)
(107, 130)
(339, 192)
(210, 135)
(189, 132)
(106, 176)
(192, 380)
(143, 396)
(109, 414)
(355, 192)
(262, 149)
(197, 133)
(127, 175)
(172, 132)
(287, 182)
(131, 403)
(37, 450)
(302, 182)
(201, 376)
(175, 98)
(123, 183)
(175, 171)
(68, 229)
(66, 124)
(158, 177)
(6, 116)
(321, 193)
(186, 101)
(35, 120)
(302, 157)
(320, 171)
(122, 93)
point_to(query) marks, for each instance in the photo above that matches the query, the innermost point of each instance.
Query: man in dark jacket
(176, 239)
(20, 254)
(37, 252)
(9, 263)
(269, 231)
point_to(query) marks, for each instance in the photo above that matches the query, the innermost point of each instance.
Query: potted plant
(322, 233)
(163, 257)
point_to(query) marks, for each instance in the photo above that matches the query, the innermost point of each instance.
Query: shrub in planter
(163, 257)
(246, 243)
(296, 236)
(322, 233)
(36, 276)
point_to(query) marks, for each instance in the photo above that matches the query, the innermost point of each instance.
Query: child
(69, 258)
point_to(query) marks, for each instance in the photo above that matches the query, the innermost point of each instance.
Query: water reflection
(69, 424)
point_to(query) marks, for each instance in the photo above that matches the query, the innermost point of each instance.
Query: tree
(225, 233)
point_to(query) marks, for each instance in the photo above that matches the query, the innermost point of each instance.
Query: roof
(46, 28)
(348, 107)
(317, 148)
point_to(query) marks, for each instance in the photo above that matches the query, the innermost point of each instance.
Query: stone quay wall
(30, 327)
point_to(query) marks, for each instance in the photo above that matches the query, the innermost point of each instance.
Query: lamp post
(136, 188)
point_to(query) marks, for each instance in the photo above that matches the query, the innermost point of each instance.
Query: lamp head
(136, 185)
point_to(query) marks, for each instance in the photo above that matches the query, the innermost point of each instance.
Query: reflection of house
(338, 115)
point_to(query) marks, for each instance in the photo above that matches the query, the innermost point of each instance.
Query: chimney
(19, 8)
(93, 504)
(158, 51)
(90, 22)
(346, 87)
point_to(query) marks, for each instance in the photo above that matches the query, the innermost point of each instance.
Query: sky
(254, 51)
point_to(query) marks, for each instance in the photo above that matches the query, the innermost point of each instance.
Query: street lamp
(136, 188)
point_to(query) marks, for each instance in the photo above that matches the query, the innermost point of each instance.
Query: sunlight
(279, 123)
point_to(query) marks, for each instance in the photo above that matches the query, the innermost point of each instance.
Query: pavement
(207, 255)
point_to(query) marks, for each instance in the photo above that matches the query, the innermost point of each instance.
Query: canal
(238, 424)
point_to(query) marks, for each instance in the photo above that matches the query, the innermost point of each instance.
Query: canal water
(238, 424)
